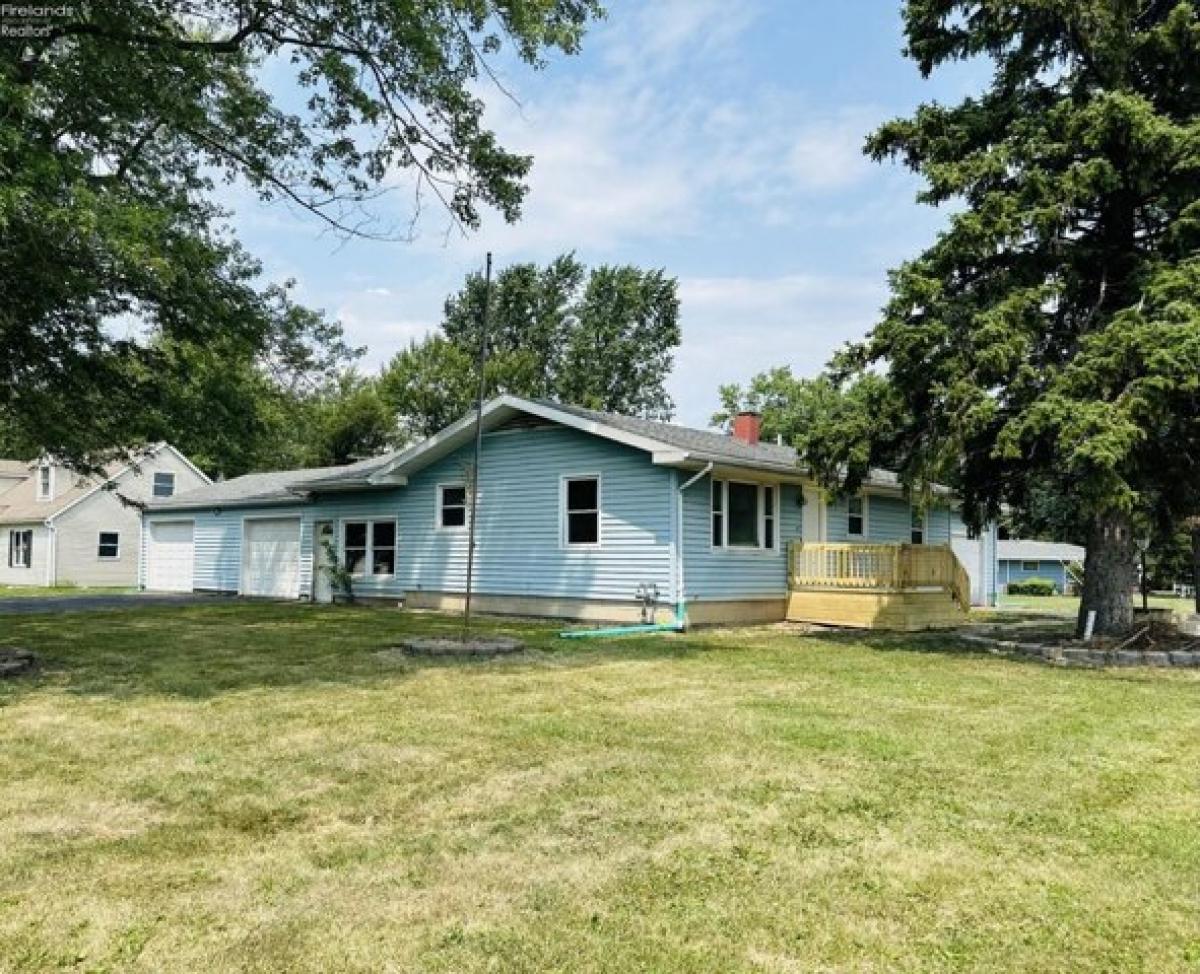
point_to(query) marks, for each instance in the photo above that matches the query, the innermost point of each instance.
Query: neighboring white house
(58, 528)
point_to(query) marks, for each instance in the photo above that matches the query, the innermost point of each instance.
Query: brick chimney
(746, 427)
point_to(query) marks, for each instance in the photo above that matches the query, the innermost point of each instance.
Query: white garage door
(271, 557)
(169, 556)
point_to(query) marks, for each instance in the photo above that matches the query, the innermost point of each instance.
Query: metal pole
(483, 338)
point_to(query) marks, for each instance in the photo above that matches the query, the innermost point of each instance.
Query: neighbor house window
(45, 488)
(20, 549)
(109, 545)
(744, 515)
(856, 516)
(581, 510)
(1031, 566)
(369, 547)
(918, 526)
(452, 506)
(164, 484)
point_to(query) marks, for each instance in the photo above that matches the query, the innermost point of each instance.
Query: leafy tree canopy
(841, 429)
(117, 125)
(604, 339)
(1054, 327)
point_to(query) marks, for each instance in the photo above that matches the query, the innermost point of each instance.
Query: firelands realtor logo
(29, 21)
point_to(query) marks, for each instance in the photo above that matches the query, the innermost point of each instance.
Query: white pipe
(679, 546)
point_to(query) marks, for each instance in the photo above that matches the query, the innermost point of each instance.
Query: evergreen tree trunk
(1196, 563)
(1109, 575)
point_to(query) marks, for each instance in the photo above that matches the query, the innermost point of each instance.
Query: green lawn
(42, 591)
(242, 787)
(1068, 605)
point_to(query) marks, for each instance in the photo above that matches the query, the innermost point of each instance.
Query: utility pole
(483, 347)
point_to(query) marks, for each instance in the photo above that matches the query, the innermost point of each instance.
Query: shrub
(1032, 586)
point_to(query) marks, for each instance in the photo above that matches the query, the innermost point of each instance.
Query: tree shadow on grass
(205, 651)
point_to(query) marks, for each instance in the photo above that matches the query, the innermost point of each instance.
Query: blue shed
(1019, 561)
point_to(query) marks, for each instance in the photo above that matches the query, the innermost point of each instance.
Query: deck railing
(886, 567)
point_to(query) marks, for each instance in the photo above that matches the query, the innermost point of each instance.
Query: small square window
(743, 515)
(20, 549)
(164, 484)
(383, 548)
(856, 517)
(582, 511)
(917, 535)
(1031, 566)
(355, 547)
(109, 545)
(452, 506)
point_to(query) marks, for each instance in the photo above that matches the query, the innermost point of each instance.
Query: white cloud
(663, 145)
(734, 327)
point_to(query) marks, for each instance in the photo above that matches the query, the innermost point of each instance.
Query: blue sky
(719, 141)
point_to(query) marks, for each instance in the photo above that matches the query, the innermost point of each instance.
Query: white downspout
(680, 598)
(51, 554)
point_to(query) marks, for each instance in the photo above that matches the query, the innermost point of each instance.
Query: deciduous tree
(604, 339)
(118, 123)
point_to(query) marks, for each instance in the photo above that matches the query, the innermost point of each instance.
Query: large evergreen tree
(1052, 332)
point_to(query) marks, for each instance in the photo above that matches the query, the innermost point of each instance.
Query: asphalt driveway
(19, 605)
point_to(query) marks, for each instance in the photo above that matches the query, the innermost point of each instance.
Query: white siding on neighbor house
(35, 574)
(77, 529)
(77, 538)
(735, 573)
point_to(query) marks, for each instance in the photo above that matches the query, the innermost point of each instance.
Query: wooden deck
(877, 586)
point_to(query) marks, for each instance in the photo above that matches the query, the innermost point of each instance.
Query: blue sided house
(577, 511)
(1019, 561)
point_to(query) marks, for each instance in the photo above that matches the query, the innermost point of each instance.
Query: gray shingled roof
(15, 468)
(1018, 550)
(274, 487)
(286, 486)
(702, 444)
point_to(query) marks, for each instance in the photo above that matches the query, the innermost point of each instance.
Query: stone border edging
(1081, 656)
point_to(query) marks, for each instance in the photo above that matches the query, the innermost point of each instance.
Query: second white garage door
(169, 556)
(271, 557)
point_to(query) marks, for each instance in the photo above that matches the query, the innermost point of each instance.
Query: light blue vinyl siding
(361, 505)
(734, 573)
(889, 519)
(218, 546)
(520, 551)
(1013, 571)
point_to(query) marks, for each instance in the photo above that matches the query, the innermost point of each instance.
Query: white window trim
(48, 495)
(16, 532)
(866, 517)
(370, 546)
(437, 514)
(117, 556)
(759, 547)
(562, 512)
(154, 480)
